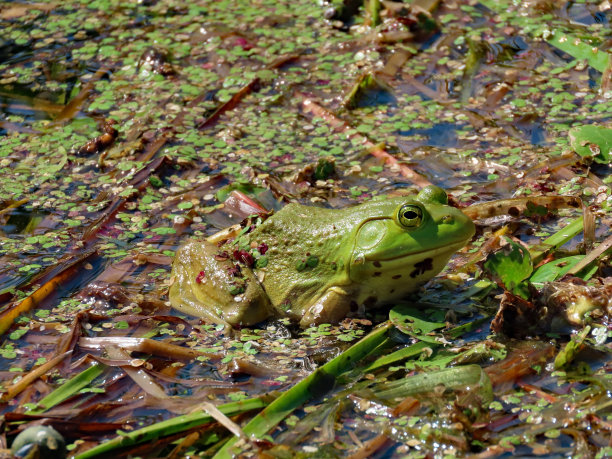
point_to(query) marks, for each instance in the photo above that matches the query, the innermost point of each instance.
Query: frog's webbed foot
(182, 292)
(332, 307)
(215, 288)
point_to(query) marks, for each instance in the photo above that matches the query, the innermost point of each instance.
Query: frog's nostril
(447, 219)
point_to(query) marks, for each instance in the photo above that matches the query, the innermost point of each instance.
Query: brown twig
(311, 109)
(55, 276)
(73, 107)
(32, 376)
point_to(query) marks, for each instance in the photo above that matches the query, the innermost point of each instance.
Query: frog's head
(406, 242)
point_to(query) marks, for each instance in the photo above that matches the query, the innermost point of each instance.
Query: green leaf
(185, 205)
(558, 268)
(69, 388)
(414, 322)
(318, 383)
(590, 140)
(163, 230)
(580, 48)
(511, 266)
(564, 235)
(572, 348)
(172, 426)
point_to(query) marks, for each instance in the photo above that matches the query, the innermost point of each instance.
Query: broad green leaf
(590, 140)
(580, 48)
(558, 268)
(511, 266)
(453, 378)
(414, 322)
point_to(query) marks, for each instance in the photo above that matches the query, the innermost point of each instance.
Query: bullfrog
(314, 264)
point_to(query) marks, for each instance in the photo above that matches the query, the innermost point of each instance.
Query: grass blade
(70, 388)
(172, 426)
(318, 383)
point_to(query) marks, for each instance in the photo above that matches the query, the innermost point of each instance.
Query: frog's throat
(445, 249)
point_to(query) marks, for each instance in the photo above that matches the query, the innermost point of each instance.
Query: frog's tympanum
(312, 264)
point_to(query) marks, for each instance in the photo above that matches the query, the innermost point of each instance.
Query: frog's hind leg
(332, 307)
(182, 292)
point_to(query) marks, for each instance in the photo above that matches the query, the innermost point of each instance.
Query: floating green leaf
(580, 48)
(590, 140)
(414, 322)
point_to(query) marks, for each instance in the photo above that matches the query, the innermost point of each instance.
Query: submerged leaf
(453, 378)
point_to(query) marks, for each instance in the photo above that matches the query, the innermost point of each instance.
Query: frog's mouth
(447, 249)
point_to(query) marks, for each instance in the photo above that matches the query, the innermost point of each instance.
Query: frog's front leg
(332, 307)
(208, 283)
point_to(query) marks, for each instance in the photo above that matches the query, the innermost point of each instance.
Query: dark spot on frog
(513, 212)
(377, 274)
(397, 276)
(377, 264)
(422, 267)
(312, 261)
(370, 301)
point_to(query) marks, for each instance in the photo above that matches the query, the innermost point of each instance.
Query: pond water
(124, 127)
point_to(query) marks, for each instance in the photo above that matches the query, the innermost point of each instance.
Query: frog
(315, 265)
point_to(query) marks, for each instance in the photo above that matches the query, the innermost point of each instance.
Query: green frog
(313, 265)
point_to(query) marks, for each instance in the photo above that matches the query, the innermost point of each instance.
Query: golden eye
(409, 216)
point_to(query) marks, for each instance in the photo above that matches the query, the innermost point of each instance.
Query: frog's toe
(332, 307)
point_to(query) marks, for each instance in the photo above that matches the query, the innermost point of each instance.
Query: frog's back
(304, 251)
(309, 250)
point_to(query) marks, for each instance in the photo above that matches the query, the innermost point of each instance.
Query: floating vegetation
(128, 128)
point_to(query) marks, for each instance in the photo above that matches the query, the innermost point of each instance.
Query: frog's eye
(409, 216)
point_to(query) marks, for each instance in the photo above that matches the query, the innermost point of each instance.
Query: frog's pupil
(410, 214)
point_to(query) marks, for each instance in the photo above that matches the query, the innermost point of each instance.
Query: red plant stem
(311, 109)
